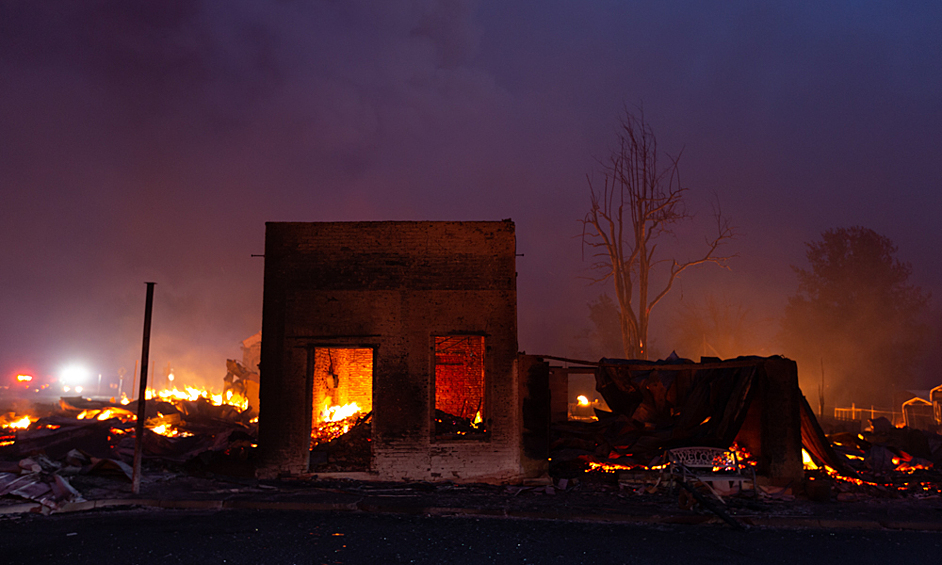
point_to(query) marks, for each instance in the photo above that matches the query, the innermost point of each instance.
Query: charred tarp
(752, 401)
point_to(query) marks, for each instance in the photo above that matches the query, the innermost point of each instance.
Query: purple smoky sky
(151, 141)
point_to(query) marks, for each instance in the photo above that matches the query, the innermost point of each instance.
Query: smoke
(151, 140)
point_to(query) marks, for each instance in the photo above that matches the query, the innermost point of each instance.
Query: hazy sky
(151, 141)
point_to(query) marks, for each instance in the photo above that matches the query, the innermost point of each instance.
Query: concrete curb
(776, 522)
(26, 507)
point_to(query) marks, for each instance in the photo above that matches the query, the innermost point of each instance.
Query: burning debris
(656, 407)
(38, 451)
(241, 383)
(342, 445)
(884, 462)
(455, 427)
(341, 436)
(334, 422)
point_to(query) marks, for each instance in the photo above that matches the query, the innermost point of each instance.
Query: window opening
(583, 398)
(460, 408)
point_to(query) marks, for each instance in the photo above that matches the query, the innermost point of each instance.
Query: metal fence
(855, 413)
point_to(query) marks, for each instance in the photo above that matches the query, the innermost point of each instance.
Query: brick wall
(391, 287)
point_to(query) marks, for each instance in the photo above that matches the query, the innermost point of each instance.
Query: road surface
(165, 537)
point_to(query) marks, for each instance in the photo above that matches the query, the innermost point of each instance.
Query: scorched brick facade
(405, 292)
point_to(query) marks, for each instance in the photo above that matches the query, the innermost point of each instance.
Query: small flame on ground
(12, 421)
(105, 414)
(807, 462)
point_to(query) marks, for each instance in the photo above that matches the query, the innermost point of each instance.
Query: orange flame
(337, 413)
(12, 421)
(334, 422)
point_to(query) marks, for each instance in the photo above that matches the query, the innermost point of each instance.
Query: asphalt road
(165, 537)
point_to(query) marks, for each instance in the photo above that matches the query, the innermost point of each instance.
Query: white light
(73, 374)
(78, 390)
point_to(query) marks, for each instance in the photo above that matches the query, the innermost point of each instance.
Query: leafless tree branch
(637, 203)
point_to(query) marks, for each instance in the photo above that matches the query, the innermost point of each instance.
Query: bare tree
(640, 201)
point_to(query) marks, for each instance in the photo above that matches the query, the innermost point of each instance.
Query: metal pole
(141, 412)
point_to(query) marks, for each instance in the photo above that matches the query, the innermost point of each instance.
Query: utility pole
(141, 412)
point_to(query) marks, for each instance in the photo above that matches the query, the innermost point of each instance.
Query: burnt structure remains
(412, 325)
(389, 352)
(753, 403)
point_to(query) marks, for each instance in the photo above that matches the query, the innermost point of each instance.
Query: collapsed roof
(754, 402)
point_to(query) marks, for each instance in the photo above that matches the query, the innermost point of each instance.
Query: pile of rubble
(884, 461)
(85, 436)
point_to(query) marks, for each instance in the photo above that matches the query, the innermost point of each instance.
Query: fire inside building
(411, 325)
(389, 351)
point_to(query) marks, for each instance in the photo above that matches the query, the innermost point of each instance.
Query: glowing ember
(582, 400)
(743, 455)
(609, 467)
(166, 429)
(106, 413)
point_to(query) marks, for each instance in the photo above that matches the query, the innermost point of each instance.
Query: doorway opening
(342, 403)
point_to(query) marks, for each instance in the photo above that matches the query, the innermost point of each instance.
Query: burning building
(408, 328)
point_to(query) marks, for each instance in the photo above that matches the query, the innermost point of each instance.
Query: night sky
(151, 141)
